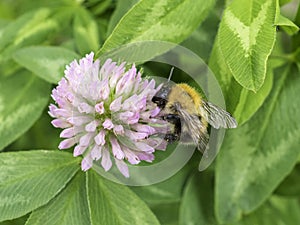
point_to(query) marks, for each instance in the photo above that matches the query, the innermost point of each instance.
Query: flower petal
(134, 119)
(100, 138)
(96, 152)
(79, 120)
(62, 113)
(115, 106)
(134, 136)
(157, 143)
(52, 109)
(60, 123)
(121, 85)
(148, 157)
(106, 161)
(123, 168)
(86, 163)
(106, 69)
(129, 117)
(119, 130)
(92, 126)
(144, 147)
(155, 112)
(86, 139)
(67, 143)
(83, 107)
(99, 108)
(107, 124)
(149, 89)
(104, 90)
(118, 71)
(79, 150)
(131, 156)
(70, 132)
(116, 148)
(141, 104)
(143, 128)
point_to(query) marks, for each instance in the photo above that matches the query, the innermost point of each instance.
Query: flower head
(107, 111)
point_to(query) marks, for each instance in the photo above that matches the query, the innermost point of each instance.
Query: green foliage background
(253, 48)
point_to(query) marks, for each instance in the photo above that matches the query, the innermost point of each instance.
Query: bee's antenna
(170, 75)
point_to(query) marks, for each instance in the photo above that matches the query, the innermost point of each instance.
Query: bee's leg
(160, 102)
(171, 137)
(174, 119)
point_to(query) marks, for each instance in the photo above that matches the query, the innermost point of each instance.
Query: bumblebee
(184, 108)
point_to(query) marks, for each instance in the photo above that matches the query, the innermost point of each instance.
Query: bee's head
(160, 98)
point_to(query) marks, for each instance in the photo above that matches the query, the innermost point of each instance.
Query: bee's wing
(192, 129)
(216, 116)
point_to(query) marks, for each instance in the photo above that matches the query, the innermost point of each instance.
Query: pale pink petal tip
(92, 126)
(85, 108)
(116, 104)
(96, 152)
(119, 130)
(79, 150)
(86, 163)
(108, 124)
(155, 112)
(106, 162)
(59, 123)
(123, 168)
(100, 108)
(116, 149)
(100, 138)
(67, 143)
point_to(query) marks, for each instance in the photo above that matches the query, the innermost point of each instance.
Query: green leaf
(91, 199)
(241, 102)
(197, 201)
(112, 203)
(31, 28)
(290, 186)
(158, 20)
(296, 38)
(167, 213)
(18, 221)
(276, 211)
(35, 139)
(6, 11)
(3, 24)
(30, 179)
(256, 157)
(22, 100)
(170, 190)
(250, 102)
(85, 32)
(121, 8)
(283, 2)
(202, 39)
(297, 19)
(101, 7)
(163, 192)
(287, 25)
(46, 62)
(246, 40)
(69, 207)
